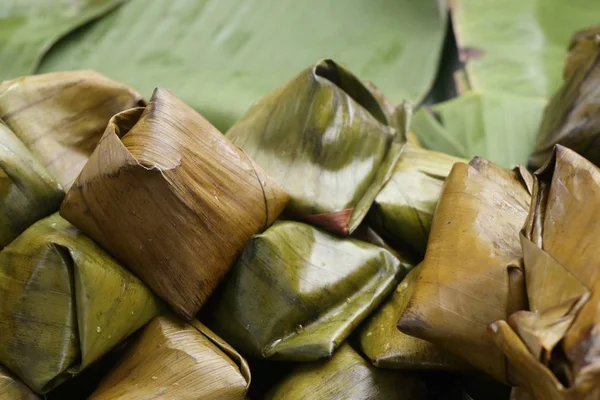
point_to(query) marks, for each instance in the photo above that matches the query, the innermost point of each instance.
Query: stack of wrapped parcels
(315, 235)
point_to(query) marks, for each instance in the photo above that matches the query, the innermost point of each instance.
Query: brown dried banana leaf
(325, 138)
(297, 292)
(555, 345)
(173, 199)
(172, 359)
(347, 376)
(404, 208)
(387, 347)
(61, 116)
(64, 303)
(27, 191)
(13, 389)
(472, 273)
(572, 118)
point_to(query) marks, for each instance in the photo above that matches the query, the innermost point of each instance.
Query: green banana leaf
(13, 389)
(347, 376)
(221, 56)
(27, 192)
(387, 347)
(518, 46)
(497, 126)
(572, 118)
(170, 196)
(176, 360)
(472, 273)
(65, 303)
(61, 116)
(31, 27)
(403, 209)
(296, 292)
(512, 52)
(326, 139)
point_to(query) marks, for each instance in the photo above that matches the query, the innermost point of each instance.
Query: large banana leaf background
(412, 78)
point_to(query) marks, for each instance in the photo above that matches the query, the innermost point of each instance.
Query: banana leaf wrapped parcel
(326, 139)
(27, 191)
(170, 197)
(13, 389)
(386, 347)
(297, 292)
(554, 345)
(172, 359)
(402, 212)
(472, 273)
(347, 376)
(65, 303)
(572, 118)
(60, 116)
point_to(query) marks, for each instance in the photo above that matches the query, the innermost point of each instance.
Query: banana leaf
(221, 56)
(172, 359)
(404, 208)
(387, 347)
(60, 116)
(297, 292)
(31, 27)
(27, 192)
(348, 376)
(572, 118)
(554, 345)
(65, 303)
(472, 273)
(326, 139)
(173, 199)
(13, 389)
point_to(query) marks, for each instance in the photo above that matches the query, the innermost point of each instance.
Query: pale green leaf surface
(222, 56)
(28, 28)
(496, 126)
(514, 52)
(523, 42)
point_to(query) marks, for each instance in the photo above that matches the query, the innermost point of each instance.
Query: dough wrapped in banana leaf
(387, 347)
(27, 191)
(347, 376)
(13, 389)
(172, 359)
(554, 346)
(404, 208)
(65, 303)
(472, 274)
(173, 199)
(297, 292)
(326, 139)
(61, 116)
(572, 118)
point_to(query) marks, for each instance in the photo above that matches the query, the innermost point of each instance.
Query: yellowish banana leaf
(518, 393)
(13, 389)
(554, 346)
(173, 199)
(326, 139)
(472, 273)
(404, 208)
(172, 359)
(572, 118)
(387, 347)
(347, 376)
(297, 292)
(60, 116)
(27, 192)
(65, 303)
